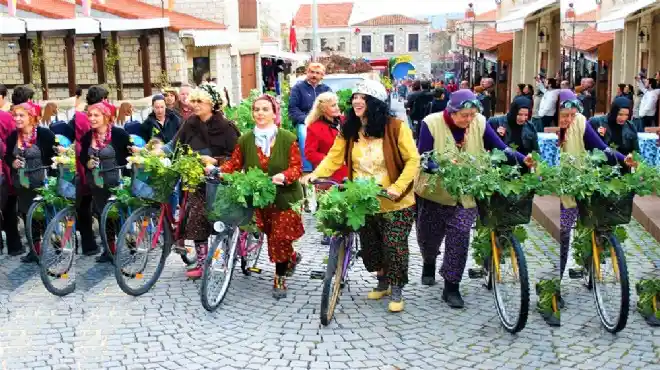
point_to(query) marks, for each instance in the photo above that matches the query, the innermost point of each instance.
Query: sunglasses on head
(470, 104)
(570, 104)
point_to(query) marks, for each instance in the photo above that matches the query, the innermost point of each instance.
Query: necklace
(102, 141)
(29, 139)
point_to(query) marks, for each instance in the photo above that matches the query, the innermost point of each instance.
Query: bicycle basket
(505, 211)
(218, 209)
(66, 186)
(141, 188)
(605, 211)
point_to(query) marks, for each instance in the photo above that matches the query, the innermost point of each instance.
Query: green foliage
(51, 198)
(344, 99)
(481, 243)
(188, 165)
(648, 290)
(253, 188)
(546, 290)
(242, 113)
(582, 244)
(339, 210)
(155, 170)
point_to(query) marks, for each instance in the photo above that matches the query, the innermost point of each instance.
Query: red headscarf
(274, 103)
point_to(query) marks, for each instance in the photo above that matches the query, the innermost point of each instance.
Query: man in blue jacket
(303, 95)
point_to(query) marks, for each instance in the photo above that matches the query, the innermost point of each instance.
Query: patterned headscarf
(462, 99)
(211, 94)
(568, 100)
(276, 107)
(33, 110)
(103, 107)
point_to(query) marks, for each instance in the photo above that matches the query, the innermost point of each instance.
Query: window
(324, 45)
(388, 44)
(366, 43)
(247, 14)
(342, 44)
(307, 45)
(413, 42)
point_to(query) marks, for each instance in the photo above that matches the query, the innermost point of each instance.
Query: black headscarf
(619, 103)
(519, 102)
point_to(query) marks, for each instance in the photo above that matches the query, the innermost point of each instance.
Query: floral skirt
(282, 228)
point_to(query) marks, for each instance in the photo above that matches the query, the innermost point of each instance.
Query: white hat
(372, 88)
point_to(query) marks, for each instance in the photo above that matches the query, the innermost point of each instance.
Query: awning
(48, 24)
(274, 52)
(515, 19)
(379, 68)
(118, 24)
(11, 26)
(208, 37)
(87, 26)
(616, 19)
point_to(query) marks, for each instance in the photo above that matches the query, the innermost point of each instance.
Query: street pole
(574, 61)
(315, 26)
(473, 61)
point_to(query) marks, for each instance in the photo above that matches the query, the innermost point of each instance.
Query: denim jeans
(176, 196)
(302, 135)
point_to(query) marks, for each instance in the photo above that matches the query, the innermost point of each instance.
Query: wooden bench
(546, 212)
(646, 210)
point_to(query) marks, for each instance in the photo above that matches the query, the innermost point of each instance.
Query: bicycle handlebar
(112, 169)
(40, 168)
(383, 193)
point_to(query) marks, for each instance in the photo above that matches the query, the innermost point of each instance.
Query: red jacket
(320, 137)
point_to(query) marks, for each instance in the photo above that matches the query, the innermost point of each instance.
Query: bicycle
(605, 247)
(58, 247)
(344, 249)
(504, 245)
(229, 243)
(38, 209)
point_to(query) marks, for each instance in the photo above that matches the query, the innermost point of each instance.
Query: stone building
(334, 32)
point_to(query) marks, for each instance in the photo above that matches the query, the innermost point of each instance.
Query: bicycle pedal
(476, 273)
(575, 273)
(256, 270)
(317, 275)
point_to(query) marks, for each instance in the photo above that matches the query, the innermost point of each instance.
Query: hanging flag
(170, 5)
(87, 6)
(293, 41)
(12, 8)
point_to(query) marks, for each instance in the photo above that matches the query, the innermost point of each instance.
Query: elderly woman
(322, 128)
(459, 128)
(575, 138)
(103, 147)
(275, 152)
(616, 128)
(162, 123)
(374, 144)
(515, 128)
(28, 148)
(210, 134)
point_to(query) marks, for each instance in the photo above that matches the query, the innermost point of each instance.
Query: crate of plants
(233, 200)
(65, 164)
(346, 209)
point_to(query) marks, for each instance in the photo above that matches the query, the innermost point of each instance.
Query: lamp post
(470, 16)
(570, 14)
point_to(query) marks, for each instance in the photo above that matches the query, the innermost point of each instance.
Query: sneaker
(279, 287)
(452, 295)
(396, 300)
(381, 290)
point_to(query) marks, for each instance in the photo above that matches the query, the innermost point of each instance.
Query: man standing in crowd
(419, 105)
(648, 107)
(548, 104)
(465, 85)
(486, 98)
(303, 95)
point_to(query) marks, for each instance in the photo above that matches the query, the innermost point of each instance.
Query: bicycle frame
(597, 248)
(347, 241)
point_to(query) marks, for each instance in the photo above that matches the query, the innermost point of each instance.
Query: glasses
(193, 101)
(572, 104)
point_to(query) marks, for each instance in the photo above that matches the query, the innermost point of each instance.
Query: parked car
(341, 81)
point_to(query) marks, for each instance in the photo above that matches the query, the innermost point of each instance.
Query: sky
(365, 9)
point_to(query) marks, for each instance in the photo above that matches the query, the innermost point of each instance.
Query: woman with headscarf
(103, 147)
(29, 147)
(374, 144)
(617, 127)
(214, 137)
(575, 138)
(274, 151)
(515, 128)
(162, 123)
(439, 216)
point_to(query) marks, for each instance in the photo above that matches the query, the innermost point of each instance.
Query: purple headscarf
(568, 99)
(458, 98)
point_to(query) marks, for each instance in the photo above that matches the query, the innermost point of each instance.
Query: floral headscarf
(33, 110)
(263, 138)
(103, 107)
(210, 93)
(276, 107)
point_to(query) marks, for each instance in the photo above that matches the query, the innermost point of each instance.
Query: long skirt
(437, 222)
(384, 240)
(567, 220)
(282, 228)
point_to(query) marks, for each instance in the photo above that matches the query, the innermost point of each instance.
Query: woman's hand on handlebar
(309, 178)
(92, 164)
(279, 179)
(209, 160)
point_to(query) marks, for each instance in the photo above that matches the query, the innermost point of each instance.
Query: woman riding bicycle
(102, 149)
(28, 148)
(322, 128)
(210, 134)
(276, 152)
(374, 144)
(439, 215)
(575, 138)
(616, 128)
(515, 128)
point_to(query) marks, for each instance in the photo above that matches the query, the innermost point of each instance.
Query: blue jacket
(302, 99)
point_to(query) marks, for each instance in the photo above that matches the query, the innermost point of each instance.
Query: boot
(452, 295)
(381, 290)
(396, 300)
(198, 271)
(15, 250)
(31, 257)
(295, 261)
(428, 274)
(279, 287)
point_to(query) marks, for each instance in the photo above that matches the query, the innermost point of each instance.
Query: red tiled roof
(588, 39)
(490, 16)
(134, 9)
(390, 20)
(330, 15)
(591, 16)
(56, 9)
(268, 39)
(487, 40)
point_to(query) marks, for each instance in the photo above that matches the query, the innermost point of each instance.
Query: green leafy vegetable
(253, 188)
(649, 297)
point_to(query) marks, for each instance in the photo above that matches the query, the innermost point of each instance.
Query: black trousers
(84, 222)
(649, 121)
(10, 224)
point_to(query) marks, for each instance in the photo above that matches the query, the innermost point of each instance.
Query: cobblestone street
(98, 326)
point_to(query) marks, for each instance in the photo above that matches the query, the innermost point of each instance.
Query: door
(248, 74)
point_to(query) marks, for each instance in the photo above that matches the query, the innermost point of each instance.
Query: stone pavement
(98, 326)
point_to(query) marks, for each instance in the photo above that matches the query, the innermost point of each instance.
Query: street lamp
(643, 37)
(470, 16)
(570, 15)
(543, 35)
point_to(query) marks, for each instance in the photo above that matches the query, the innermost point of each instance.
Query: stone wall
(212, 10)
(10, 72)
(85, 73)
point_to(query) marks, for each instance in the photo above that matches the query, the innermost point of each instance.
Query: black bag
(605, 211)
(500, 211)
(230, 214)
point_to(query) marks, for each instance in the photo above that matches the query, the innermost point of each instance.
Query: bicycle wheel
(253, 245)
(58, 251)
(512, 311)
(332, 281)
(110, 221)
(35, 218)
(135, 272)
(218, 269)
(613, 314)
